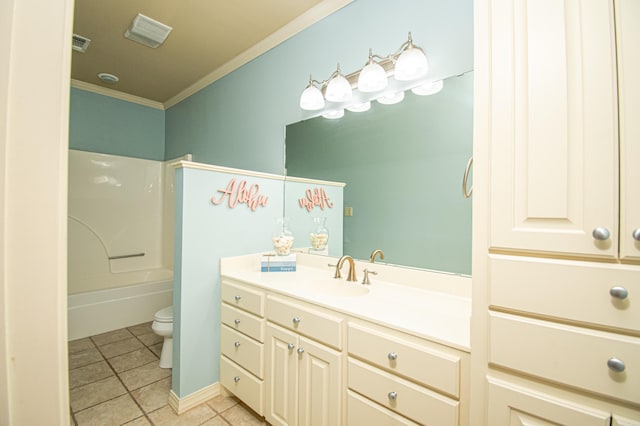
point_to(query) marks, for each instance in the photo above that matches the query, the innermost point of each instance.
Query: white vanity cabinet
(304, 373)
(556, 326)
(391, 372)
(242, 337)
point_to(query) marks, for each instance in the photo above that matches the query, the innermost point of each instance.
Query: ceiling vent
(147, 31)
(80, 43)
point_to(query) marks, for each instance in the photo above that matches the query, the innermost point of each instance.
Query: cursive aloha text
(239, 193)
(316, 197)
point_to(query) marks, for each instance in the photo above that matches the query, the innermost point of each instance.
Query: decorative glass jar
(319, 234)
(282, 237)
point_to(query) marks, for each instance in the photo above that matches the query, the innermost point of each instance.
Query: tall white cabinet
(556, 268)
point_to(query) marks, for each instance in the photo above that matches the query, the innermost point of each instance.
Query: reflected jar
(319, 234)
(282, 238)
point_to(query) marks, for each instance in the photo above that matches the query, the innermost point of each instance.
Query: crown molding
(116, 94)
(313, 15)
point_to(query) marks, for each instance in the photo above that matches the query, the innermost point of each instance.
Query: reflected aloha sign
(315, 197)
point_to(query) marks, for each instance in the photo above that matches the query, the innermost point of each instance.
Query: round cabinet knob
(236, 321)
(392, 396)
(636, 234)
(296, 320)
(300, 350)
(616, 365)
(392, 356)
(291, 346)
(619, 292)
(238, 298)
(236, 344)
(236, 379)
(601, 234)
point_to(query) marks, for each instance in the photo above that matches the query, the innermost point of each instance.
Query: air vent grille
(80, 43)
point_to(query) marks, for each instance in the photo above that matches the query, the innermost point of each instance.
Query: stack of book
(274, 263)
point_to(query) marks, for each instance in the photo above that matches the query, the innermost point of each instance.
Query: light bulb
(311, 98)
(338, 89)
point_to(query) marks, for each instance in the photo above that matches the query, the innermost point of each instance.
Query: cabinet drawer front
(309, 321)
(578, 291)
(566, 354)
(243, 322)
(242, 384)
(243, 297)
(511, 404)
(413, 401)
(433, 368)
(361, 411)
(242, 350)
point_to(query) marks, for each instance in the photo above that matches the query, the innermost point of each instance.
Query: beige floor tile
(120, 347)
(150, 339)
(113, 412)
(144, 375)
(94, 393)
(111, 336)
(238, 415)
(89, 374)
(195, 416)
(140, 421)
(132, 360)
(221, 403)
(153, 396)
(156, 349)
(80, 345)
(216, 421)
(141, 328)
(80, 359)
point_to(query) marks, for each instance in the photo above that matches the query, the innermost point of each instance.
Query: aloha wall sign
(241, 193)
(315, 197)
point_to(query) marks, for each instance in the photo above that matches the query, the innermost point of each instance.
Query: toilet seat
(164, 315)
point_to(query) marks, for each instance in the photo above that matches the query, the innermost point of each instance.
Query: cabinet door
(628, 34)
(553, 126)
(281, 378)
(319, 384)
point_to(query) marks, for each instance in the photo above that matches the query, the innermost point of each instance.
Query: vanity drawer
(566, 354)
(242, 350)
(403, 397)
(242, 384)
(243, 297)
(418, 362)
(312, 322)
(243, 322)
(573, 290)
(361, 411)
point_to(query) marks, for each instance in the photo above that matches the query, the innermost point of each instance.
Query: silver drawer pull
(392, 356)
(392, 396)
(616, 365)
(619, 292)
(636, 234)
(601, 234)
(236, 321)
(236, 379)
(236, 344)
(237, 298)
(291, 346)
(296, 320)
(300, 350)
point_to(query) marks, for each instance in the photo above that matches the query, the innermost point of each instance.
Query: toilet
(163, 326)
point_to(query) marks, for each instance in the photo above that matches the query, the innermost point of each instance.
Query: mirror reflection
(403, 166)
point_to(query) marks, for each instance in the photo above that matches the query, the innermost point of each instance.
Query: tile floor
(114, 379)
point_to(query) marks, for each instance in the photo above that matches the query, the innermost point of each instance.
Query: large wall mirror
(403, 166)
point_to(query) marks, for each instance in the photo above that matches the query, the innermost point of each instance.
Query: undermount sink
(334, 287)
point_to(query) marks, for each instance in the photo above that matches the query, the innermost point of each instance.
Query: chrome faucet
(352, 268)
(372, 258)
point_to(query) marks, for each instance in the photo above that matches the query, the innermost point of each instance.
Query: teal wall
(239, 121)
(107, 125)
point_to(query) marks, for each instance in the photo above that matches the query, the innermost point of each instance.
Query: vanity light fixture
(406, 64)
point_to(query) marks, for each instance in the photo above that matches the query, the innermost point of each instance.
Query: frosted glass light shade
(332, 115)
(411, 64)
(362, 107)
(391, 98)
(372, 78)
(430, 88)
(311, 98)
(338, 89)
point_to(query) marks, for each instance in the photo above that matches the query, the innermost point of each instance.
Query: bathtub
(135, 299)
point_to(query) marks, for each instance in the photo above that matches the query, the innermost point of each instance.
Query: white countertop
(426, 307)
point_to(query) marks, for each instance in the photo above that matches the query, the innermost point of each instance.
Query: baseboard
(180, 405)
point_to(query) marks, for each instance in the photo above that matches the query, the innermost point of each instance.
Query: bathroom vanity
(305, 348)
